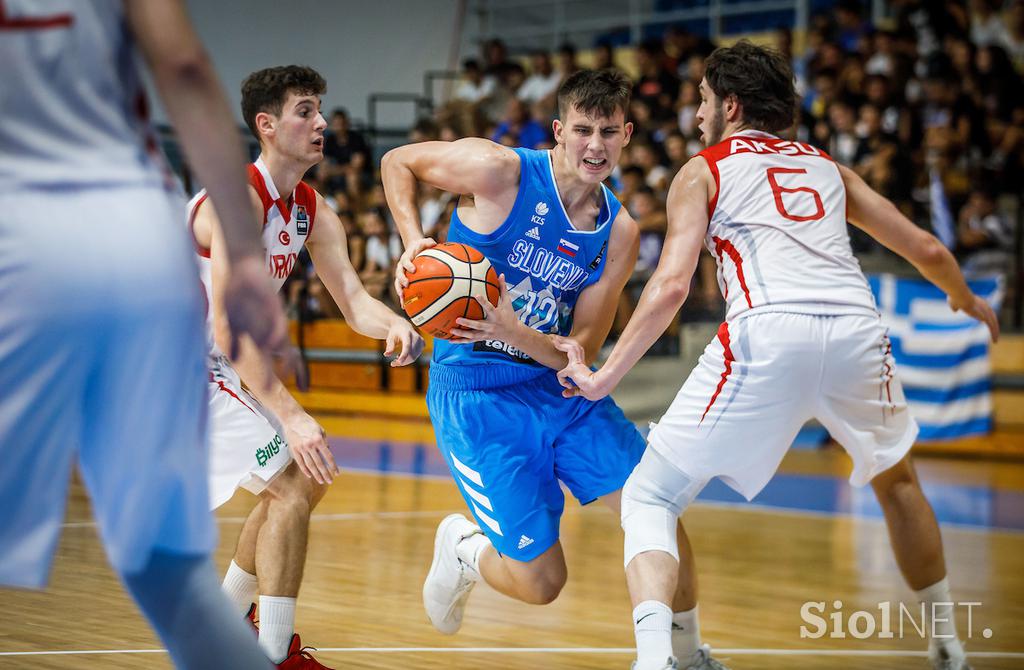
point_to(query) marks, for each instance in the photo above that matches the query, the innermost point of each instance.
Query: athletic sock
(277, 625)
(940, 615)
(240, 587)
(652, 624)
(469, 551)
(685, 636)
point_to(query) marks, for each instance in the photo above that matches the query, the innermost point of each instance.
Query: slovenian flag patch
(567, 247)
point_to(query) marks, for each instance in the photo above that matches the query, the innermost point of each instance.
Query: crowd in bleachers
(927, 106)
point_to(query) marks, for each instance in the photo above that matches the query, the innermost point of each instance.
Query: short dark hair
(266, 90)
(761, 79)
(594, 93)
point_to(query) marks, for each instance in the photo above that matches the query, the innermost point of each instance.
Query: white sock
(469, 551)
(685, 636)
(240, 587)
(652, 624)
(940, 615)
(277, 625)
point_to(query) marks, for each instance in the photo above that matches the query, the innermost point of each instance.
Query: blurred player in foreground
(101, 336)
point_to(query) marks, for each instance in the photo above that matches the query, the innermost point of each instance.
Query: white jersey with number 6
(778, 229)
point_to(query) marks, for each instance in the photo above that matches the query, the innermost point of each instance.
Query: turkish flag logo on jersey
(284, 238)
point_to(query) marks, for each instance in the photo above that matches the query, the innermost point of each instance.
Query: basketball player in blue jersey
(566, 248)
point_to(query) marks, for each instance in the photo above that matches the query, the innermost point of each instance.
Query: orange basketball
(443, 287)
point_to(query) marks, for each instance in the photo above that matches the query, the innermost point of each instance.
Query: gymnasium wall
(360, 47)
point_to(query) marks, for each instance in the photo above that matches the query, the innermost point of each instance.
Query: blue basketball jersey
(546, 261)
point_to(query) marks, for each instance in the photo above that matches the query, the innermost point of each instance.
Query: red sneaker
(300, 659)
(251, 618)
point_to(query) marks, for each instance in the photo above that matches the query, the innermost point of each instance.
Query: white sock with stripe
(241, 588)
(277, 625)
(685, 636)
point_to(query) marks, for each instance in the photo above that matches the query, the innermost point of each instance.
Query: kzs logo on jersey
(540, 211)
(301, 221)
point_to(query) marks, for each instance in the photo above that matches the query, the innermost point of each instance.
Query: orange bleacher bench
(341, 359)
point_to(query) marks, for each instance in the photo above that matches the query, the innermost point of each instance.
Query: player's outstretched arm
(367, 315)
(471, 166)
(664, 293)
(199, 110)
(879, 218)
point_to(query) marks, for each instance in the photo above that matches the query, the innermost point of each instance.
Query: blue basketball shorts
(509, 446)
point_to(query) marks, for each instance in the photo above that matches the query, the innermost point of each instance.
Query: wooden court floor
(371, 544)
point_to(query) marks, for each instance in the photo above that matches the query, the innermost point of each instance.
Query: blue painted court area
(977, 506)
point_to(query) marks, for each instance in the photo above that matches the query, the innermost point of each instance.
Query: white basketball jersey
(778, 229)
(287, 224)
(72, 103)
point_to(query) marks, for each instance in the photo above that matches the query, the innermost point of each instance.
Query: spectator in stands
(380, 255)
(851, 26)
(566, 63)
(984, 235)
(686, 107)
(346, 155)
(656, 87)
(604, 56)
(883, 59)
(424, 130)
(520, 127)
(656, 175)
(987, 26)
(677, 151)
(1015, 33)
(474, 87)
(845, 145)
(896, 119)
(682, 50)
(543, 82)
(626, 178)
(648, 210)
(433, 204)
(496, 61)
(497, 106)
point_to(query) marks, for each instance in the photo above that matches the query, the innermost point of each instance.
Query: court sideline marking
(722, 653)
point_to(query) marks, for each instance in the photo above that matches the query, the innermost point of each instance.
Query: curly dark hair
(761, 79)
(266, 90)
(595, 93)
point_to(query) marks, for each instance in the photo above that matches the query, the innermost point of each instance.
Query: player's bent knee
(653, 499)
(900, 477)
(542, 589)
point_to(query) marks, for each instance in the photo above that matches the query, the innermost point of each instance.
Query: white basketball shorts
(247, 445)
(766, 375)
(102, 361)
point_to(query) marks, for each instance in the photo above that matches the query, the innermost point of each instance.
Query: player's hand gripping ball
(444, 286)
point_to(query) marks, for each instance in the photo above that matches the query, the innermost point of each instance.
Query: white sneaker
(948, 657)
(448, 583)
(704, 661)
(670, 664)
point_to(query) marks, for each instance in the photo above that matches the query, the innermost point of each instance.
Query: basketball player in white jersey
(101, 345)
(266, 442)
(801, 340)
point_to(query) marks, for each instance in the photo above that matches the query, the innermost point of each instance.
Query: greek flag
(941, 355)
